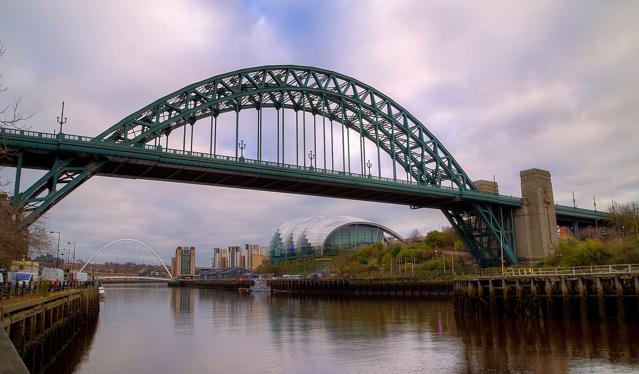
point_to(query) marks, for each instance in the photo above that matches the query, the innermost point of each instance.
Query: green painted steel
(80, 145)
(318, 91)
(483, 220)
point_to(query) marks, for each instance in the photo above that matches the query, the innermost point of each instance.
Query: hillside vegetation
(421, 256)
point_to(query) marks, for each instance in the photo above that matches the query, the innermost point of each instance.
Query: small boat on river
(260, 285)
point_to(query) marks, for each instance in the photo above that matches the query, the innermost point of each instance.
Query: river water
(155, 329)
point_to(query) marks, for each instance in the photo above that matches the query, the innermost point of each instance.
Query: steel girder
(487, 231)
(57, 183)
(321, 92)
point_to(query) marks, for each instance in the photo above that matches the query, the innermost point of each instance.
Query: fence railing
(560, 271)
(16, 289)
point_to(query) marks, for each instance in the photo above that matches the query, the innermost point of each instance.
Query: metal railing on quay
(554, 271)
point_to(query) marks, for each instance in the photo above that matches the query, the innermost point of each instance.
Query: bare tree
(10, 114)
(19, 244)
(414, 235)
(624, 217)
(16, 244)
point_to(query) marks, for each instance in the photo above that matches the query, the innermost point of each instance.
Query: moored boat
(260, 285)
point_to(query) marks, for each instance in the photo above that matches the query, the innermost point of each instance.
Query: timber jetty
(395, 287)
(594, 292)
(389, 287)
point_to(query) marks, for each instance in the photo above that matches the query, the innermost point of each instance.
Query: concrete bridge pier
(536, 221)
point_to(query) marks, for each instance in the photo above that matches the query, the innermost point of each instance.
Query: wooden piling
(532, 295)
(601, 310)
(620, 304)
(583, 300)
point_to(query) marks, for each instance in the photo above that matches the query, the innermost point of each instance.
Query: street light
(68, 250)
(73, 261)
(369, 164)
(57, 255)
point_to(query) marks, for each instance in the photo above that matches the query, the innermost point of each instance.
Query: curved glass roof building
(319, 236)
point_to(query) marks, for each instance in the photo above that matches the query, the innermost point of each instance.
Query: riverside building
(183, 264)
(249, 257)
(320, 236)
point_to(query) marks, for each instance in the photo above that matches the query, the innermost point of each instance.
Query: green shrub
(434, 264)
(435, 239)
(572, 252)
(43, 289)
(396, 249)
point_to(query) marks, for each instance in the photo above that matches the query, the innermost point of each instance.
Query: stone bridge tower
(536, 221)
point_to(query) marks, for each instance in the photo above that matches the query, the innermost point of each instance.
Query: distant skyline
(504, 86)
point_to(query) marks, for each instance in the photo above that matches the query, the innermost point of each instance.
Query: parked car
(53, 274)
(11, 277)
(81, 276)
(26, 278)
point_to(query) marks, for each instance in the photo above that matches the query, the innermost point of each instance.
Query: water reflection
(183, 308)
(546, 346)
(70, 358)
(213, 331)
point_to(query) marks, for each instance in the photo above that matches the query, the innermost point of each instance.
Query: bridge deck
(39, 151)
(156, 163)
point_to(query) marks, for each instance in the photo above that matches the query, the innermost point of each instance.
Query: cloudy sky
(504, 85)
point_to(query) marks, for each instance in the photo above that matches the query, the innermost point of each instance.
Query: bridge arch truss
(485, 228)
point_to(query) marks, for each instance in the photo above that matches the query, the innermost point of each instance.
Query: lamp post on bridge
(311, 156)
(241, 145)
(62, 119)
(369, 165)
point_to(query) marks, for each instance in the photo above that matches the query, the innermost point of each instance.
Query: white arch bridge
(131, 278)
(168, 272)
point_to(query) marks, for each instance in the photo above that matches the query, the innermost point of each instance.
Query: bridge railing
(202, 155)
(118, 277)
(158, 148)
(27, 133)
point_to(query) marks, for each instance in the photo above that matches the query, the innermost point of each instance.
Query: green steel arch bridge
(313, 132)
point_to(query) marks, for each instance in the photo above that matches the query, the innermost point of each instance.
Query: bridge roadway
(107, 279)
(40, 150)
(131, 277)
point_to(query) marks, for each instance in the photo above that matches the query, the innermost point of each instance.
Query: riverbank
(40, 328)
